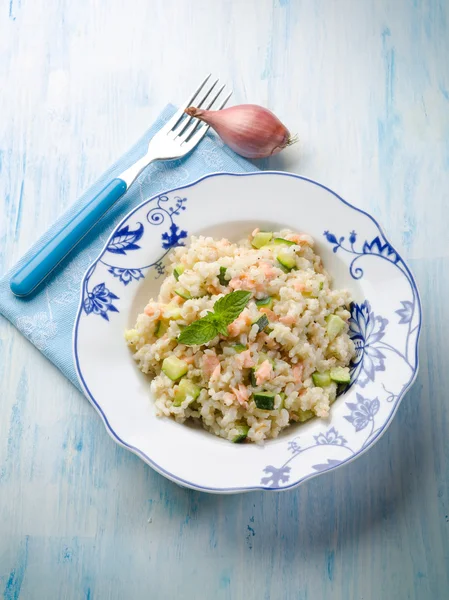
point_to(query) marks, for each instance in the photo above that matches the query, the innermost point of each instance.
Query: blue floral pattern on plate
(126, 275)
(367, 330)
(362, 412)
(331, 437)
(406, 312)
(125, 239)
(98, 301)
(385, 331)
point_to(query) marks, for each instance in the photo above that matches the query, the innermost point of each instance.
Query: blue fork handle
(32, 273)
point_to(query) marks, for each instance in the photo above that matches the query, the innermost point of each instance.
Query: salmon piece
(235, 283)
(287, 320)
(245, 314)
(297, 373)
(268, 270)
(189, 360)
(294, 237)
(306, 239)
(245, 360)
(243, 282)
(216, 373)
(236, 327)
(301, 238)
(151, 309)
(210, 362)
(299, 287)
(264, 372)
(242, 395)
(240, 324)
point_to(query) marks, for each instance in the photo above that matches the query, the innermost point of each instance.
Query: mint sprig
(198, 333)
(228, 308)
(225, 311)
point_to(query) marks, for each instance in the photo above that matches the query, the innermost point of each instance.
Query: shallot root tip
(291, 140)
(191, 111)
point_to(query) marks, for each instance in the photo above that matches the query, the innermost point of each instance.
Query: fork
(175, 139)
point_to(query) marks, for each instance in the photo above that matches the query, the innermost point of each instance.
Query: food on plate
(247, 338)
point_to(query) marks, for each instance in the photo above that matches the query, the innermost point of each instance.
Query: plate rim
(179, 480)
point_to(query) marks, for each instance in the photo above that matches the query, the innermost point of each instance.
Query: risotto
(246, 338)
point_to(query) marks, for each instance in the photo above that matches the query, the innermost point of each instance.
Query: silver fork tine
(191, 136)
(199, 105)
(198, 122)
(225, 101)
(216, 96)
(176, 118)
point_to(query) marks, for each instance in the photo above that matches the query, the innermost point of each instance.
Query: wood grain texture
(366, 86)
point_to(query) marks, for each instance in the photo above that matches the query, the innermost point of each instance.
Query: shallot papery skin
(250, 130)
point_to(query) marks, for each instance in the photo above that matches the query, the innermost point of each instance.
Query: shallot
(250, 130)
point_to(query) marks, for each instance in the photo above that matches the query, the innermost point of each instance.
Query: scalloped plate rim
(188, 484)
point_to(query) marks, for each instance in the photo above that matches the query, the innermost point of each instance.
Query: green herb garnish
(222, 276)
(226, 310)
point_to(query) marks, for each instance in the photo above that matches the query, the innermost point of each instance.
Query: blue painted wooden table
(366, 86)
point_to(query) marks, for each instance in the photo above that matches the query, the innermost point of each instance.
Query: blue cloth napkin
(47, 317)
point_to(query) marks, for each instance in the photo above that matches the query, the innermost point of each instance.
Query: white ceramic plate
(385, 325)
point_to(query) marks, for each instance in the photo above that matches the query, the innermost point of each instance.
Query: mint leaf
(226, 310)
(222, 276)
(212, 317)
(230, 306)
(199, 332)
(222, 328)
(217, 322)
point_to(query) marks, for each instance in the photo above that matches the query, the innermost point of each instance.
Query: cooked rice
(295, 346)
